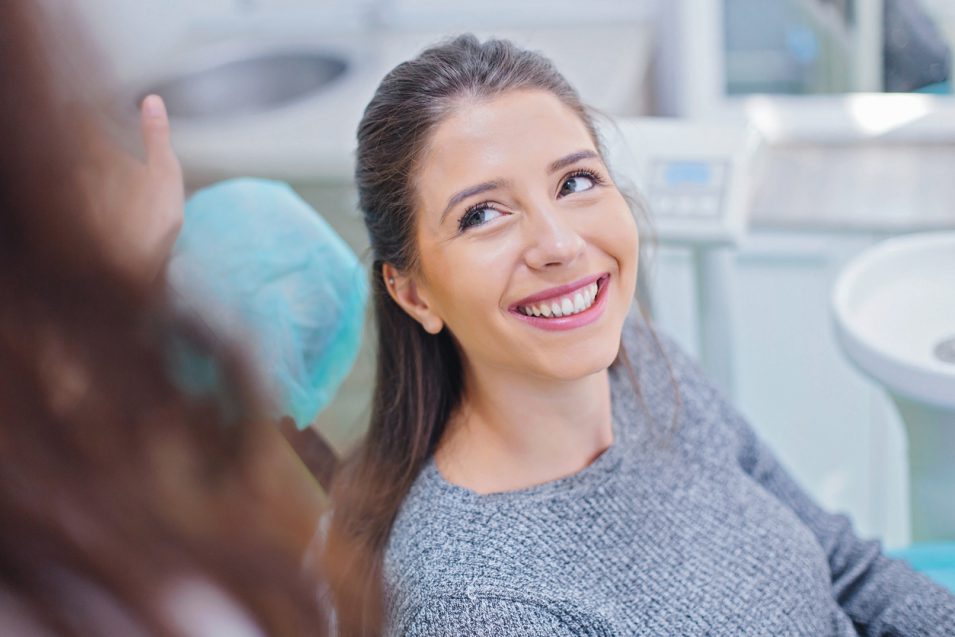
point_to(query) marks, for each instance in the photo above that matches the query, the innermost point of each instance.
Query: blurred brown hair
(118, 482)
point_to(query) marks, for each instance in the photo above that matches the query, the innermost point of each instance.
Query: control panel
(694, 177)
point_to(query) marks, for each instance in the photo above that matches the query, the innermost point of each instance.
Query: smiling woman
(554, 226)
(516, 479)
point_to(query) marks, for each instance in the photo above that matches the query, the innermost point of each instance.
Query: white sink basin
(894, 308)
(235, 81)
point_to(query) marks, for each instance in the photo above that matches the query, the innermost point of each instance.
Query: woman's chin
(575, 367)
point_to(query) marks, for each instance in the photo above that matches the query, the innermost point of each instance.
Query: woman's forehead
(518, 132)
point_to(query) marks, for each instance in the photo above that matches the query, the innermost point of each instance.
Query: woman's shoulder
(436, 534)
(450, 569)
(452, 554)
(428, 513)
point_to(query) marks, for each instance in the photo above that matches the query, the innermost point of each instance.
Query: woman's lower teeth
(564, 306)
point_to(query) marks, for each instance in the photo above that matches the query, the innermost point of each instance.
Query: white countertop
(880, 187)
(855, 163)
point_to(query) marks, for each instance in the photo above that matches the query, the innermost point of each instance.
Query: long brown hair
(120, 479)
(419, 375)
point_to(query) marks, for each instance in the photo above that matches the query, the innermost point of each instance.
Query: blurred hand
(139, 205)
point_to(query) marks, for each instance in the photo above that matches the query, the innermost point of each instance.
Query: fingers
(155, 129)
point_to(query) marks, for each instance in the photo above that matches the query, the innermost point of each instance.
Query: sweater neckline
(598, 471)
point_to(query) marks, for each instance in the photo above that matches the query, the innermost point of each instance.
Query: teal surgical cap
(258, 264)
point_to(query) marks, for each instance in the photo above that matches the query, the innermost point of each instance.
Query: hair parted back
(419, 378)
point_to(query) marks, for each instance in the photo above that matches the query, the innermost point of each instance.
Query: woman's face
(528, 252)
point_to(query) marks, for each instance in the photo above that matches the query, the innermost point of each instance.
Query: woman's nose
(552, 239)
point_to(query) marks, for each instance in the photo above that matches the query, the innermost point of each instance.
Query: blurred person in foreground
(131, 502)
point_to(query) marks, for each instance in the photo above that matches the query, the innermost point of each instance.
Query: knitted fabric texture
(685, 526)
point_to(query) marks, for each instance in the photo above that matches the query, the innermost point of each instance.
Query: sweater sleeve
(882, 596)
(484, 616)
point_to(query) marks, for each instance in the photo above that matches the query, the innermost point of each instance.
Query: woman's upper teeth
(572, 303)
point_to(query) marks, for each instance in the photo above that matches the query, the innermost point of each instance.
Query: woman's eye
(478, 215)
(577, 183)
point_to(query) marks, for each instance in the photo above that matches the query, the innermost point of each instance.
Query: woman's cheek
(624, 235)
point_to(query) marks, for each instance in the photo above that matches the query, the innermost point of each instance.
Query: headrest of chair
(257, 263)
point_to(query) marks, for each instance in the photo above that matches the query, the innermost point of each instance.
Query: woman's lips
(576, 318)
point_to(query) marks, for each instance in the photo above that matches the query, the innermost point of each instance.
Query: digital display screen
(679, 173)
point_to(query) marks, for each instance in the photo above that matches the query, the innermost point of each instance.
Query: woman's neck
(514, 432)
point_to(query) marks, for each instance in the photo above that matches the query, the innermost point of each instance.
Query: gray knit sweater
(682, 527)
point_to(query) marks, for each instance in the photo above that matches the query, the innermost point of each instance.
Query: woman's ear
(408, 292)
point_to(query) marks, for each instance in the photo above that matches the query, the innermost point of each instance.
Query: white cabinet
(833, 429)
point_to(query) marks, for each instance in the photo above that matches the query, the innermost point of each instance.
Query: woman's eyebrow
(500, 183)
(470, 192)
(570, 159)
